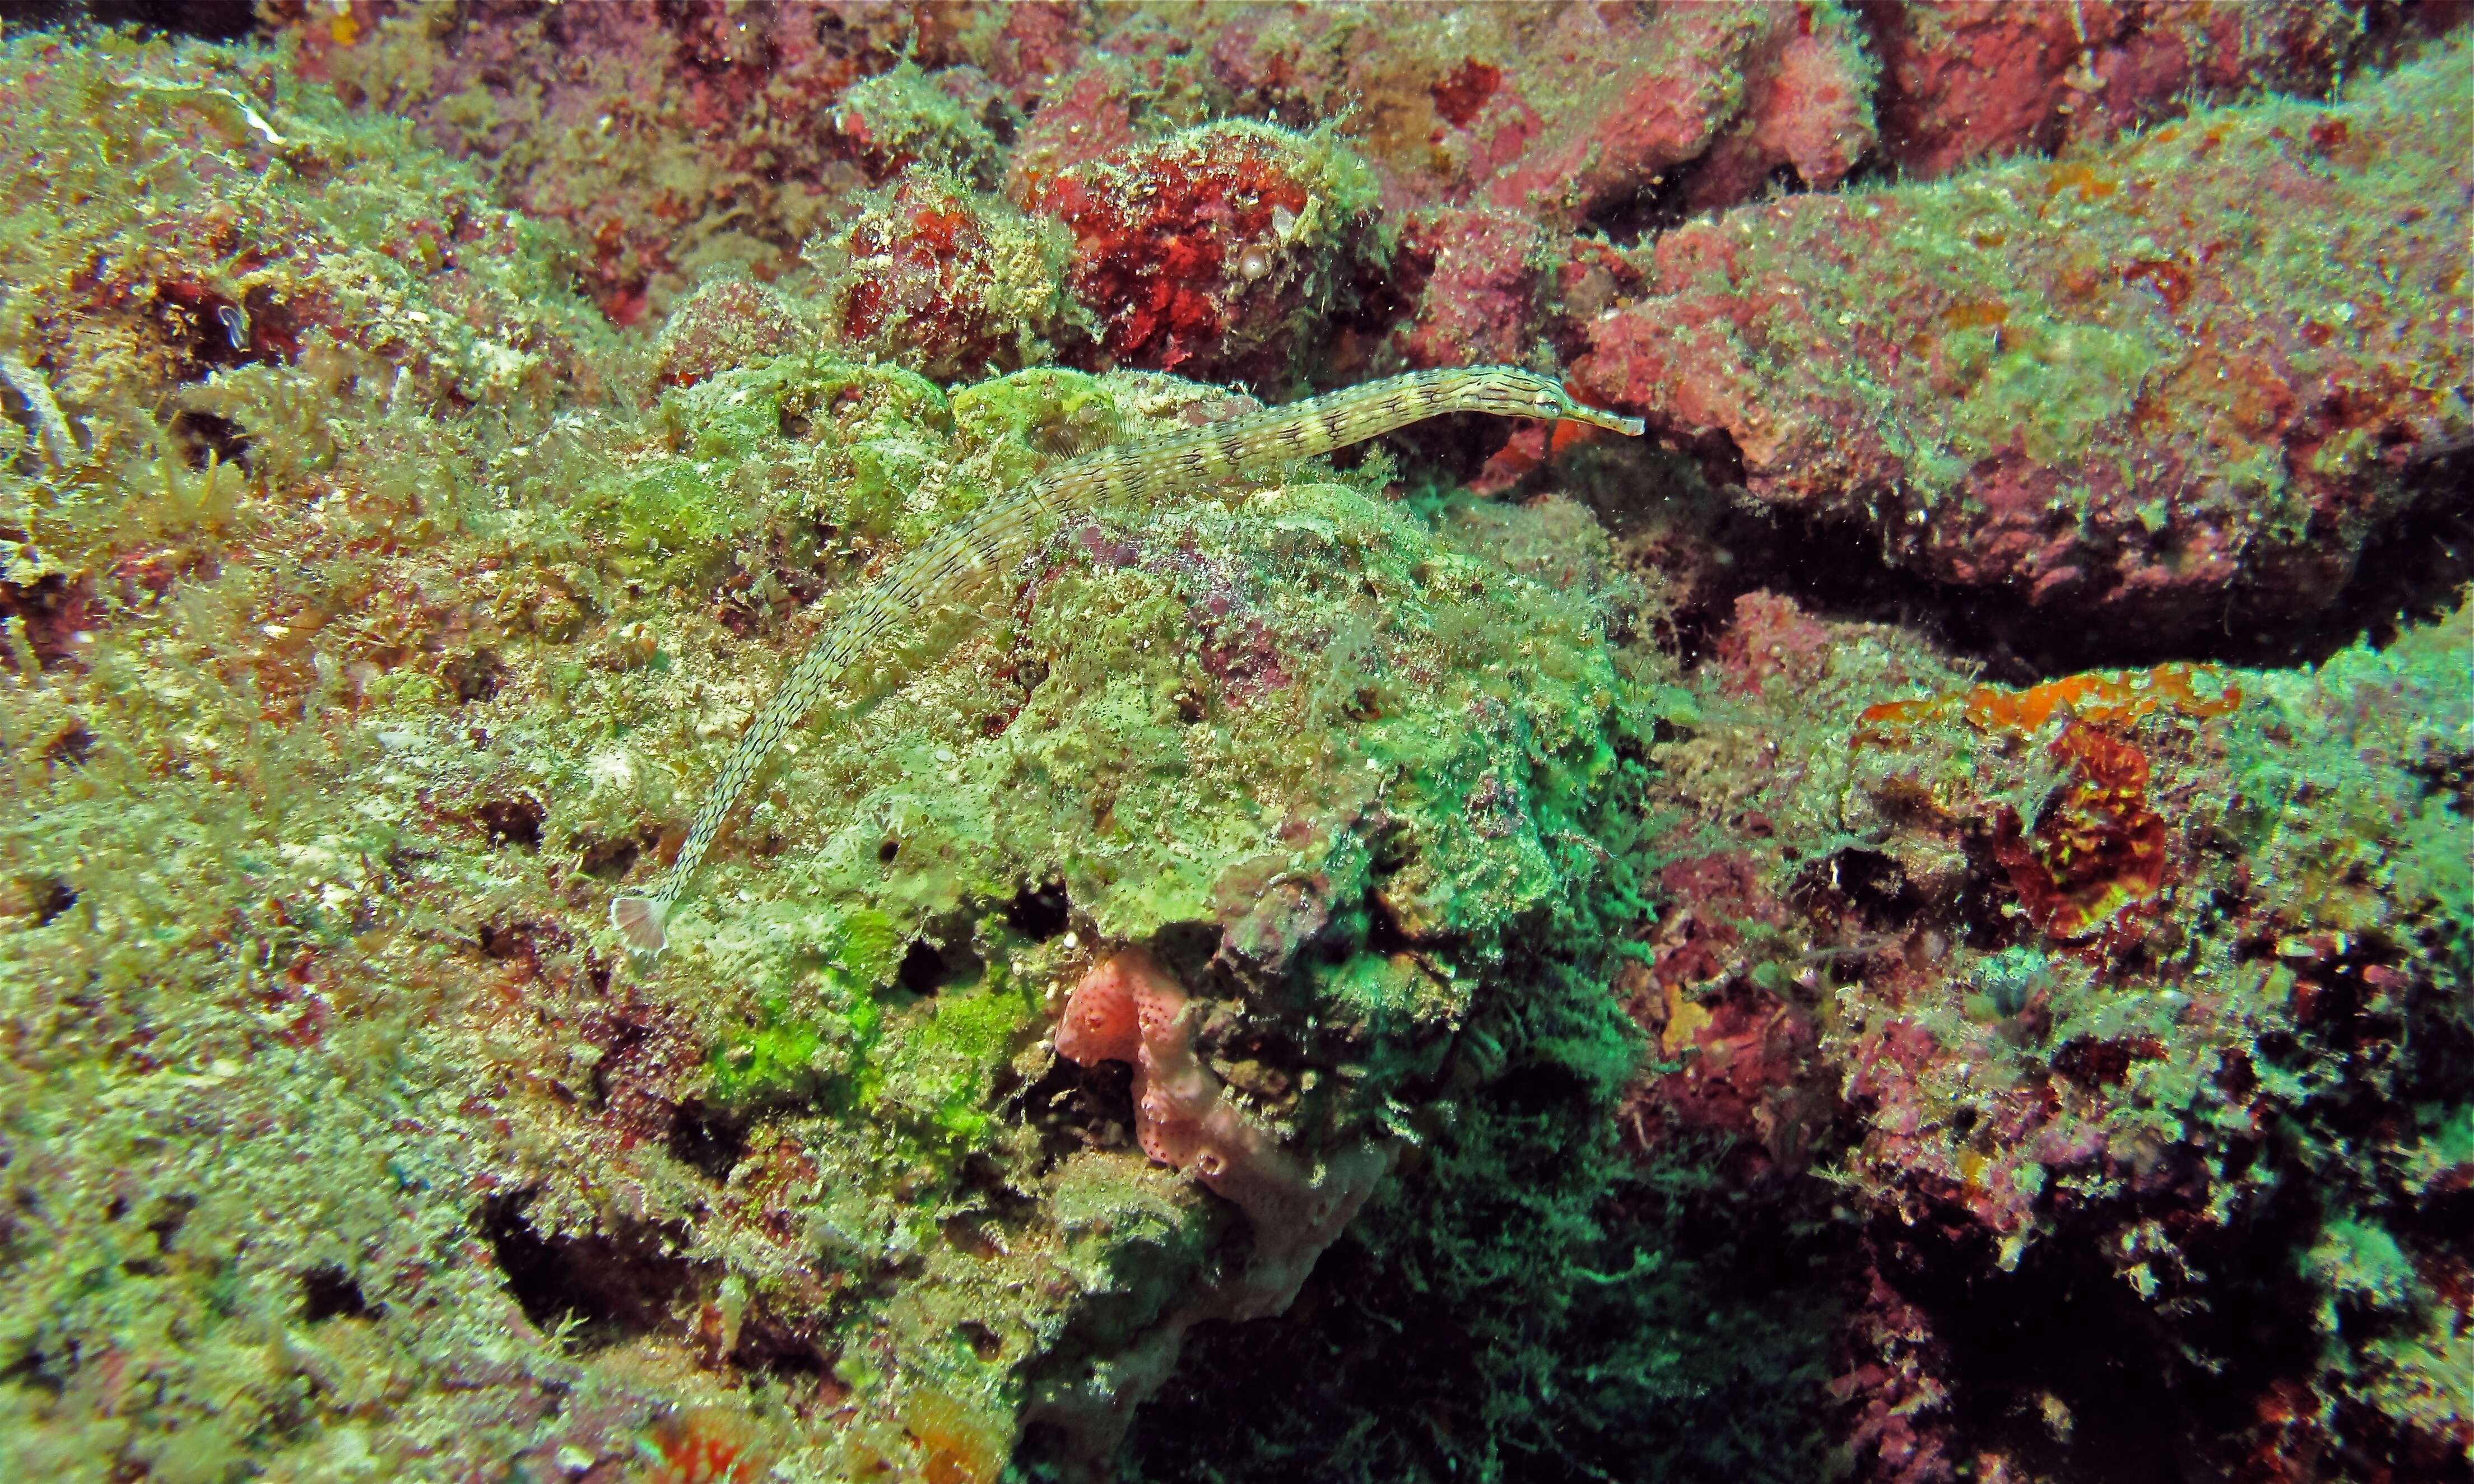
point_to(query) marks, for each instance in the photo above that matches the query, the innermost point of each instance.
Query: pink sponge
(1129, 1008)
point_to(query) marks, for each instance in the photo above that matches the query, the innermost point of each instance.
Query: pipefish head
(1508, 392)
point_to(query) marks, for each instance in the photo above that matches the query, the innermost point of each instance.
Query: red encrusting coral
(945, 281)
(706, 1445)
(1208, 253)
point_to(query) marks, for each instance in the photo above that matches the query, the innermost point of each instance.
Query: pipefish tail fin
(643, 921)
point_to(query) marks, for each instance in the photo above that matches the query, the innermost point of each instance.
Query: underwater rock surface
(1915, 926)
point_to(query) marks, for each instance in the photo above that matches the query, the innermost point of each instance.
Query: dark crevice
(1660, 205)
(2061, 1335)
(515, 821)
(1074, 1107)
(330, 1292)
(2411, 571)
(205, 20)
(609, 859)
(942, 957)
(477, 676)
(613, 1287)
(55, 610)
(708, 1140)
(72, 746)
(1039, 913)
(52, 898)
(203, 438)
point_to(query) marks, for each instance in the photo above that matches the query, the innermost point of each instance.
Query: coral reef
(2118, 1060)
(1963, 81)
(2145, 384)
(1211, 249)
(1914, 927)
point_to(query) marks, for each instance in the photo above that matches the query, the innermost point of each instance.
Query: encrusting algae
(998, 535)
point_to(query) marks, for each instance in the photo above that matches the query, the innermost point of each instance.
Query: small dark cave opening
(708, 1140)
(205, 20)
(1677, 511)
(328, 1292)
(2060, 1364)
(616, 1286)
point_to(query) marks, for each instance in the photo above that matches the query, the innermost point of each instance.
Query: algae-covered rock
(337, 1129)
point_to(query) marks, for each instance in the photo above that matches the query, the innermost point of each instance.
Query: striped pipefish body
(991, 539)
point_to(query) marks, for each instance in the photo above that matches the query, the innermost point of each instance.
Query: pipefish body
(958, 558)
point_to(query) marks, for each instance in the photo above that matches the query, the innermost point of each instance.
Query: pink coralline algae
(1964, 80)
(2143, 381)
(1563, 112)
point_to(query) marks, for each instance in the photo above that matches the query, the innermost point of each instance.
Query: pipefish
(958, 558)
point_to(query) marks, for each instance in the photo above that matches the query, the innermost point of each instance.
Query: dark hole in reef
(508, 940)
(708, 1140)
(984, 1342)
(766, 1343)
(169, 1217)
(30, 1370)
(610, 860)
(1075, 1106)
(1039, 913)
(1186, 949)
(928, 967)
(1532, 1088)
(885, 851)
(202, 436)
(73, 747)
(52, 898)
(115, 1208)
(512, 821)
(55, 611)
(2451, 774)
(477, 676)
(2413, 570)
(618, 1284)
(203, 326)
(1384, 932)
(1000, 122)
(330, 1292)
(1876, 885)
(2151, 1399)
(206, 20)
(1661, 206)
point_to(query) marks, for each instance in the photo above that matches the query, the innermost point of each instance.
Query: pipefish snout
(958, 558)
